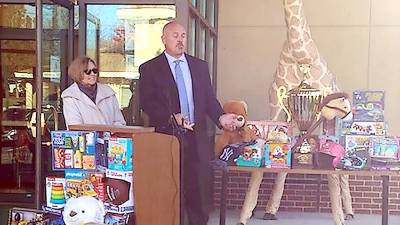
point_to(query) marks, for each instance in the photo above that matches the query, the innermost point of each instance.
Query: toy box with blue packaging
(119, 154)
(384, 147)
(353, 142)
(252, 155)
(278, 155)
(369, 106)
(73, 150)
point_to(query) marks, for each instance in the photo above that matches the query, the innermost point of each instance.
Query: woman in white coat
(86, 101)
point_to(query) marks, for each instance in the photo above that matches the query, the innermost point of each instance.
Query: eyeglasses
(88, 72)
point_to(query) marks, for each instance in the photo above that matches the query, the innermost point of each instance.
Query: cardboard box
(369, 105)
(119, 191)
(278, 155)
(73, 150)
(272, 131)
(21, 216)
(252, 155)
(55, 192)
(120, 151)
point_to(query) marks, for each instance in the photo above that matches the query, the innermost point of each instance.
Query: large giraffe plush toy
(299, 48)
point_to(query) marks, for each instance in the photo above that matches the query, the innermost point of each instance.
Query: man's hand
(227, 121)
(181, 121)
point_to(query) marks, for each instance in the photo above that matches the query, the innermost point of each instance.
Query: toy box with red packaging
(80, 182)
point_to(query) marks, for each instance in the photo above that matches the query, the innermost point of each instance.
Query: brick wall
(301, 191)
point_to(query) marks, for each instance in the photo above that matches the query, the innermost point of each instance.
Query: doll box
(119, 154)
(278, 155)
(55, 192)
(272, 131)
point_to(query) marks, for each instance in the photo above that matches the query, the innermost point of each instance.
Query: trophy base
(302, 160)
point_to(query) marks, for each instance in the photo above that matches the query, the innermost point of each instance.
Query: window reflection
(128, 35)
(202, 50)
(192, 36)
(17, 16)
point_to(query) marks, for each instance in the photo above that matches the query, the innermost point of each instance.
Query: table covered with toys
(327, 145)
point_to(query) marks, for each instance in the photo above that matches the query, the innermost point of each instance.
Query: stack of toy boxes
(119, 176)
(278, 152)
(368, 123)
(95, 164)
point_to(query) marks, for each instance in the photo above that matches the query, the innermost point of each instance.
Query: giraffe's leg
(276, 195)
(250, 201)
(346, 196)
(336, 200)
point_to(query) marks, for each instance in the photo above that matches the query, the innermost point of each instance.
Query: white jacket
(79, 109)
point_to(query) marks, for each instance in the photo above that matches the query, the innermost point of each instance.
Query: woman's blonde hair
(78, 66)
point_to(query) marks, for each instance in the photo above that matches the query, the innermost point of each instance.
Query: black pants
(194, 205)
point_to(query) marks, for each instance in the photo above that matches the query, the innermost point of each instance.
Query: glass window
(194, 3)
(55, 17)
(202, 42)
(17, 16)
(203, 7)
(210, 56)
(128, 35)
(192, 36)
(211, 12)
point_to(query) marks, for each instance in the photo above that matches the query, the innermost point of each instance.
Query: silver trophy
(301, 105)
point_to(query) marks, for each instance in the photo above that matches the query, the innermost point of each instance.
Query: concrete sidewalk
(294, 218)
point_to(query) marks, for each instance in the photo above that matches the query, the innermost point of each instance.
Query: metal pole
(385, 200)
(38, 87)
(224, 187)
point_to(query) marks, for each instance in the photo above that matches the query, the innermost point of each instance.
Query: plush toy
(242, 133)
(84, 210)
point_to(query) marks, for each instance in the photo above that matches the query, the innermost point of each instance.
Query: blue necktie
(180, 83)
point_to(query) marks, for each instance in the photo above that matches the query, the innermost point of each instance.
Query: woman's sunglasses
(88, 72)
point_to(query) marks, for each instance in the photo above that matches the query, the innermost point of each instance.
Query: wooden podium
(156, 178)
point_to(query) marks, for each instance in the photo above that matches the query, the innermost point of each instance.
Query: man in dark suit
(175, 88)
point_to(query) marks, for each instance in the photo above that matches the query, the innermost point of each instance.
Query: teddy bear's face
(83, 210)
(240, 122)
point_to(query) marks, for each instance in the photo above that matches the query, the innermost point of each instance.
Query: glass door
(19, 90)
(120, 37)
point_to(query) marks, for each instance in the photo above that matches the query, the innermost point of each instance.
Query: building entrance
(19, 91)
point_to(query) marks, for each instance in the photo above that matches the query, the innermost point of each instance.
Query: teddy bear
(242, 133)
(83, 210)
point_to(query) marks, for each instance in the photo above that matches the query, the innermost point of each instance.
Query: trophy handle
(282, 95)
